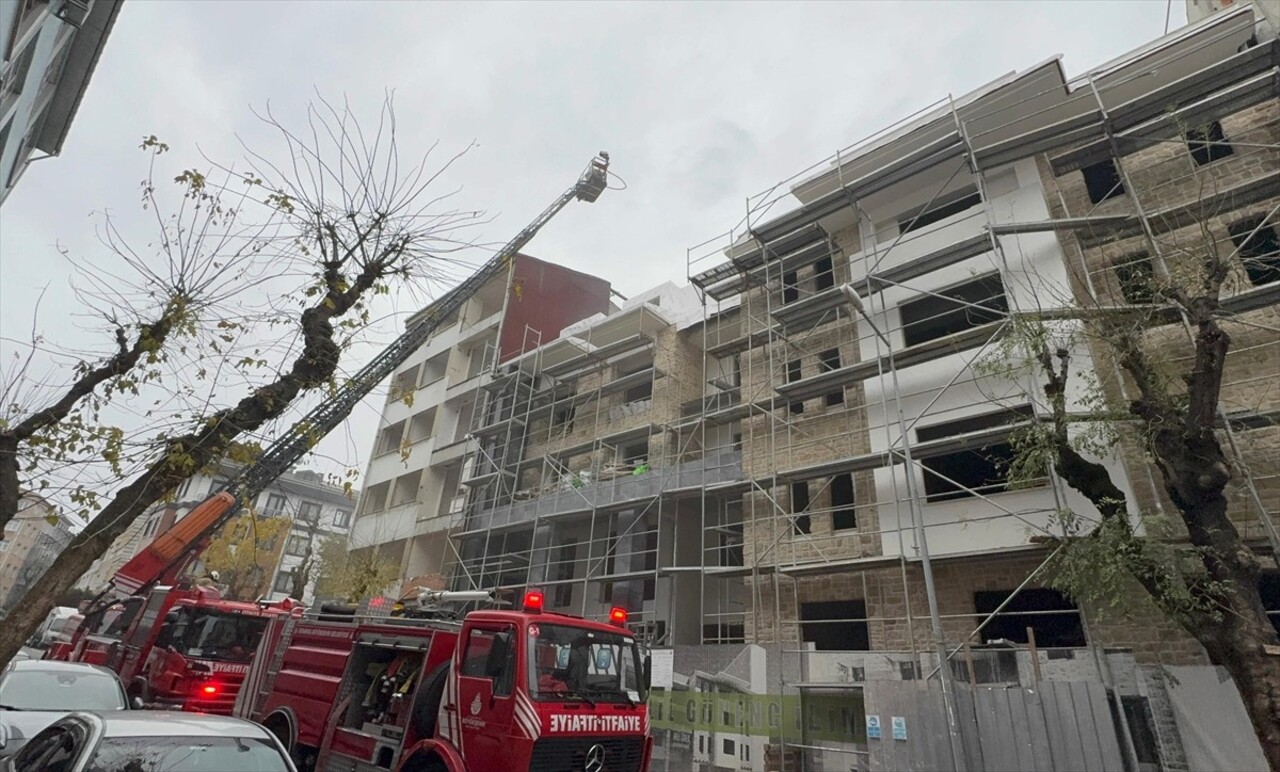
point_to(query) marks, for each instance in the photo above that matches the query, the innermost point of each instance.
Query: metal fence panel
(1056, 727)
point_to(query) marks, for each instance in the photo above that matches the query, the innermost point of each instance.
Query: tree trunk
(74, 561)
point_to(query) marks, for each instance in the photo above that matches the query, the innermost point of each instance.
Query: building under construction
(795, 471)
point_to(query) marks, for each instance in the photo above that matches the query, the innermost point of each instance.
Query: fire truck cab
(500, 689)
(177, 648)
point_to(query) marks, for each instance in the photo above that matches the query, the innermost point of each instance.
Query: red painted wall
(547, 298)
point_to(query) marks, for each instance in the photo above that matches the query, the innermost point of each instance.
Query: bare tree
(1168, 344)
(242, 304)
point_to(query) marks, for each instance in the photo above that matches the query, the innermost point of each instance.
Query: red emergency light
(618, 616)
(208, 690)
(533, 602)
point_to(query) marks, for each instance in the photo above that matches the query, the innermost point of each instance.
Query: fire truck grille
(570, 754)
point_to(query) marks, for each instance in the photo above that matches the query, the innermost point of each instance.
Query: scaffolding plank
(950, 146)
(498, 427)
(1154, 107)
(480, 480)
(804, 314)
(1109, 223)
(595, 356)
(756, 276)
(740, 344)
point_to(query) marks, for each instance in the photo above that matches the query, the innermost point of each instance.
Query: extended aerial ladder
(171, 552)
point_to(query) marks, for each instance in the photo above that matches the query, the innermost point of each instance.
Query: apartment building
(580, 481)
(424, 446)
(48, 51)
(876, 411)
(32, 539)
(317, 508)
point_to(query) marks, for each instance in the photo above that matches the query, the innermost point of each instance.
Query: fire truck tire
(426, 708)
(279, 725)
(425, 762)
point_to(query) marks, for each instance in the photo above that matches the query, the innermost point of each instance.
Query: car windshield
(61, 690)
(228, 637)
(565, 662)
(186, 754)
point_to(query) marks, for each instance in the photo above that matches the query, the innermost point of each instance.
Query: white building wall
(1033, 270)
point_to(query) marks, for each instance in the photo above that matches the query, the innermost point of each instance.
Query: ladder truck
(150, 612)
(436, 691)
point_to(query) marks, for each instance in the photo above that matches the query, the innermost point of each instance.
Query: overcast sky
(700, 105)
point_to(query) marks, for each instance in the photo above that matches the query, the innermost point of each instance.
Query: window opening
(1137, 278)
(1208, 144)
(957, 203)
(795, 373)
(824, 275)
(1051, 614)
(564, 418)
(827, 361)
(982, 469)
(1102, 180)
(835, 625)
(565, 557)
(1259, 249)
(1269, 589)
(790, 287)
(800, 521)
(284, 582)
(960, 308)
(843, 514)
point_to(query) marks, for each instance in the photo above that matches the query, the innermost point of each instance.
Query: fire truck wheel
(426, 708)
(278, 724)
(426, 763)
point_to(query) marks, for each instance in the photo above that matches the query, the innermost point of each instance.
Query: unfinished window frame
(844, 512)
(939, 311)
(943, 207)
(828, 361)
(1252, 236)
(795, 372)
(801, 520)
(1011, 623)
(840, 622)
(938, 489)
(1102, 181)
(1136, 274)
(1208, 144)
(790, 287)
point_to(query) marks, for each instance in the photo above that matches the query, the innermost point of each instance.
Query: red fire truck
(163, 658)
(175, 647)
(495, 690)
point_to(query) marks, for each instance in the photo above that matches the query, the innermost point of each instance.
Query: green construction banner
(815, 716)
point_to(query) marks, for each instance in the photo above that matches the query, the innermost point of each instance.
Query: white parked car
(154, 741)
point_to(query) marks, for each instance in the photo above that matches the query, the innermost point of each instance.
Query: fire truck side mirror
(647, 674)
(137, 704)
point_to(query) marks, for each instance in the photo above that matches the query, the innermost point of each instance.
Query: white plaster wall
(1034, 274)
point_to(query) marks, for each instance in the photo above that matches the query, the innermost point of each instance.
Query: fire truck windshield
(220, 636)
(571, 662)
